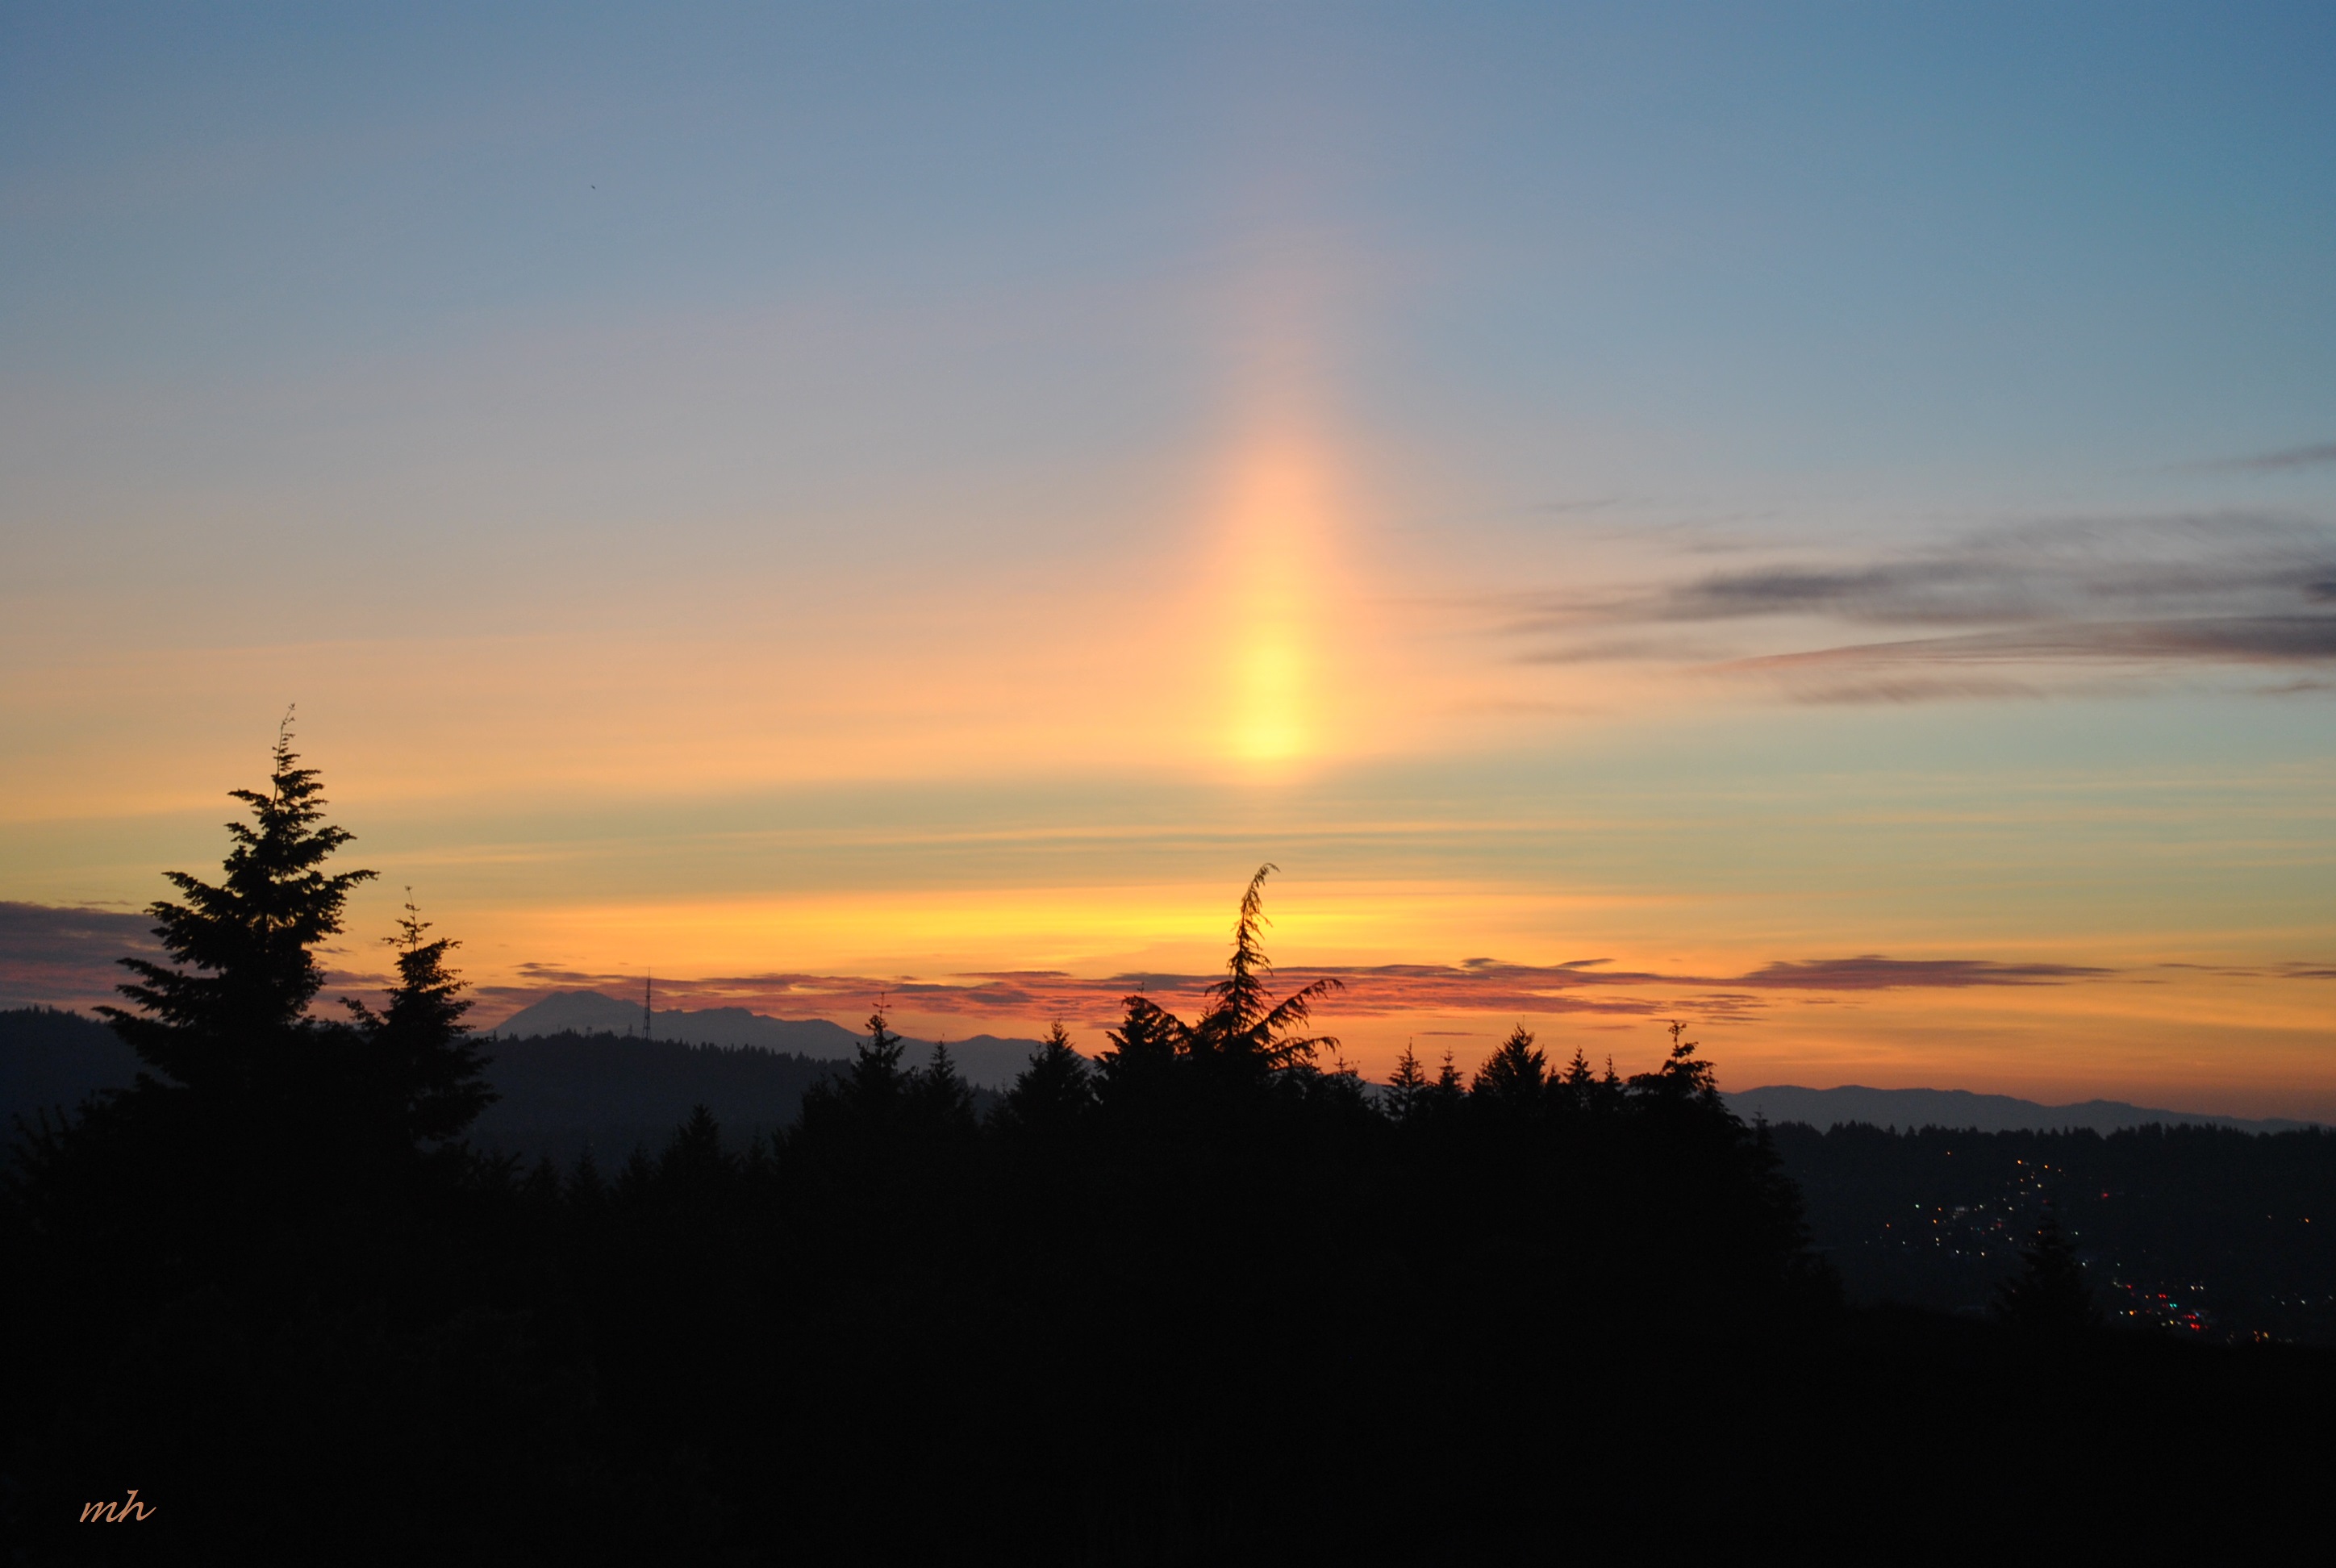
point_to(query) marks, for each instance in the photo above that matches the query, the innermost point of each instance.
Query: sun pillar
(1278, 527)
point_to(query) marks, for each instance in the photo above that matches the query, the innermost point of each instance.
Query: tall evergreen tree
(1050, 1094)
(1240, 1025)
(865, 1102)
(1684, 1078)
(226, 1019)
(422, 1060)
(1408, 1086)
(877, 1082)
(694, 1167)
(1449, 1087)
(1515, 1077)
(942, 1098)
(1575, 1088)
(1145, 1048)
(2050, 1295)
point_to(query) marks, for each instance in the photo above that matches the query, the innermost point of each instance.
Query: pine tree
(1408, 1086)
(421, 1059)
(876, 1082)
(1515, 1077)
(941, 1098)
(1575, 1088)
(636, 1182)
(1241, 1026)
(694, 1167)
(1050, 1094)
(1450, 1087)
(1684, 1078)
(540, 1191)
(862, 1107)
(1612, 1094)
(586, 1193)
(1144, 1049)
(226, 1019)
(2050, 1295)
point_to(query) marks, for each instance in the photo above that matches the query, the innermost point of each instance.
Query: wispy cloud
(2256, 640)
(1872, 972)
(1997, 612)
(2274, 461)
(68, 958)
(1379, 991)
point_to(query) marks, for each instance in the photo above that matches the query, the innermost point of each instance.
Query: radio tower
(648, 1011)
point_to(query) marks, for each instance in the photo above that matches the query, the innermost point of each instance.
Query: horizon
(514, 1006)
(1819, 526)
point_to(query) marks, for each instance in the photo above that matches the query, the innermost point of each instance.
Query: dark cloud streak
(2273, 462)
(67, 958)
(2136, 597)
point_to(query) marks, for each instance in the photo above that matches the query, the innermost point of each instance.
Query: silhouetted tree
(1684, 1078)
(418, 1055)
(1576, 1088)
(2050, 1295)
(587, 1192)
(1144, 1048)
(540, 1192)
(1050, 1094)
(1242, 1027)
(1449, 1087)
(637, 1180)
(226, 1019)
(693, 1166)
(941, 1098)
(1408, 1087)
(876, 1082)
(1514, 1077)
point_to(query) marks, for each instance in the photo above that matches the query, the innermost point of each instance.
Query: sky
(1816, 520)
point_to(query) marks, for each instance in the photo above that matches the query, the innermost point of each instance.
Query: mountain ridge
(51, 1058)
(1960, 1108)
(988, 1061)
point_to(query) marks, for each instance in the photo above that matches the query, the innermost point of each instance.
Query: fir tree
(865, 1104)
(1144, 1046)
(2050, 1295)
(1240, 1026)
(876, 1082)
(1684, 1078)
(1515, 1077)
(1408, 1086)
(941, 1098)
(693, 1166)
(541, 1190)
(1449, 1087)
(636, 1181)
(1575, 1088)
(1612, 1094)
(1050, 1094)
(587, 1192)
(422, 1059)
(226, 1019)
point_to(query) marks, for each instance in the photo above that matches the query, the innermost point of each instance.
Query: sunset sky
(1819, 521)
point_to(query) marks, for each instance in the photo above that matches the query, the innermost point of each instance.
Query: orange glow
(1280, 534)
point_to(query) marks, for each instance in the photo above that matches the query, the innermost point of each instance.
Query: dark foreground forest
(1204, 1298)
